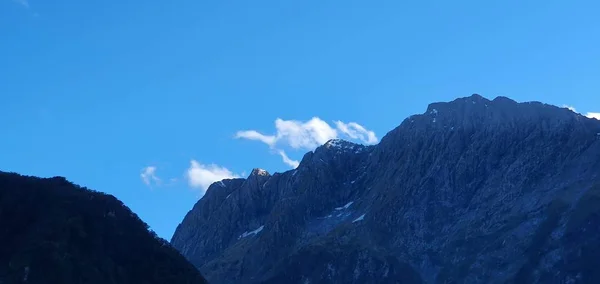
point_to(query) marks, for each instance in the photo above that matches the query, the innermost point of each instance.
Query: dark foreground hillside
(52, 231)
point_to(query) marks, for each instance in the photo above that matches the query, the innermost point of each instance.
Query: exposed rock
(471, 191)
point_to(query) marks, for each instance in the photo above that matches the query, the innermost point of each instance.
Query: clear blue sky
(99, 90)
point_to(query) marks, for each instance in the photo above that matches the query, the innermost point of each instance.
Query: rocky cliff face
(471, 191)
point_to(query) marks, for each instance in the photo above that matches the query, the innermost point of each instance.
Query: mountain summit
(471, 191)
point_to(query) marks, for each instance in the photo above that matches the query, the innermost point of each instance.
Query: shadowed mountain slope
(52, 231)
(471, 191)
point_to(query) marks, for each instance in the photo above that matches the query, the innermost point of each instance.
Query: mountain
(471, 191)
(52, 231)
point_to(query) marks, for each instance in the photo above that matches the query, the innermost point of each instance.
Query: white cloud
(296, 134)
(357, 131)
(202, 176)
(149, 177)
(595, 115)
(571, 108)
(292, 163)
(254, 135)
(304, 135)
(308, 135)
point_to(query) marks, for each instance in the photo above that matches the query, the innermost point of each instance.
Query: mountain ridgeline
(54, 232)
(471, 191)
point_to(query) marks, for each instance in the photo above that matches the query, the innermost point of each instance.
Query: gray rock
(471, 191)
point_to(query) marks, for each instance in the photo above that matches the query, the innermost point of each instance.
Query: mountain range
(471, 191)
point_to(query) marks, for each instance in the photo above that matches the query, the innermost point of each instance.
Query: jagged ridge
(472, 190)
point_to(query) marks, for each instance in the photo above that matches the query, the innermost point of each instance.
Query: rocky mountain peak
(469, 103)
(337, 145)
(257, 178)
(471, 191)
(497, 110)
(259, 172)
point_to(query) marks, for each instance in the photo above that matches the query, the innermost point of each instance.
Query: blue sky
(108, 92)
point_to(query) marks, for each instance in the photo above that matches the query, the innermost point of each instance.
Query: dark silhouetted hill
(55, 232)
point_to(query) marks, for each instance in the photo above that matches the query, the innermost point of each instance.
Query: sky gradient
(152, 100)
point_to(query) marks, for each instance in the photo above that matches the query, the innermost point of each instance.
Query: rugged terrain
(54, 232)
(471, 191)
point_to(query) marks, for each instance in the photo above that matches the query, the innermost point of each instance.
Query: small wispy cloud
(357, 132)
(292, 163)
(201, 176)
(571, 108)
(595, 115)
(307, 135)
(254, 135)
(149, 177)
